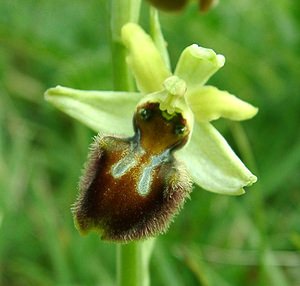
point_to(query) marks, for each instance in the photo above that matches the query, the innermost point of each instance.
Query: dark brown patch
(157, 133)
(168, 5)
(205, 5)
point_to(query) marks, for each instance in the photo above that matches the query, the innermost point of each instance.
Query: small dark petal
(168, 5)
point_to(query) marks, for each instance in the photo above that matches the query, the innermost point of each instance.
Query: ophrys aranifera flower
(134, 184)
(132, 187)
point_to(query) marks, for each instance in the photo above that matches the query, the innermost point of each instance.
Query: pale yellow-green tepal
(209, 159)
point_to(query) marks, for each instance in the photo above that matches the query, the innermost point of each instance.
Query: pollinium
(132, 187)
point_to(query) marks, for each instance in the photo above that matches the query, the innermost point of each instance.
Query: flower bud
(169, 5)
(132, 187)
(205, 5)
(176, 5)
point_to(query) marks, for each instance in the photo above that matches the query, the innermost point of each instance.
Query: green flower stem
(122, 12)
(128, 264)
(121, 76)
(132, 258)
(133, 263)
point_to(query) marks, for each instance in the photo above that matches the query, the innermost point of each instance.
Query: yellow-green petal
(196, 65)
(146, 63)
(102, 111)
(212, 163)
(209, 103)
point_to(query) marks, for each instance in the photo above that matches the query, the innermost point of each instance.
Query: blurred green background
(216, 240)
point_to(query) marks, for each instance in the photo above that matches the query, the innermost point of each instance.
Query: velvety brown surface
(112, 204)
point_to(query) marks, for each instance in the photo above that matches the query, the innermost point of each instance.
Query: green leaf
(144, 59)
(209, 103)
(102, 111)
(212, 163)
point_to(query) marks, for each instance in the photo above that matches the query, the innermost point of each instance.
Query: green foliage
(216, 240)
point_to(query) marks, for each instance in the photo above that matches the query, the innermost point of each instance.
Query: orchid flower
(181, 97)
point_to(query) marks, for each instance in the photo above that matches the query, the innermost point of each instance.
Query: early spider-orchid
(135, 182)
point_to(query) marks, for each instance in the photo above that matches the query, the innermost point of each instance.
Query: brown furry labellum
(132, 187)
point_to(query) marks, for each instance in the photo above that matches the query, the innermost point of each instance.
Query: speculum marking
(145, 180)
(124, 165)
(129, 161)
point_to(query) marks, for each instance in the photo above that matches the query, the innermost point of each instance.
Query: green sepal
(102, 111)
(212, 164)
